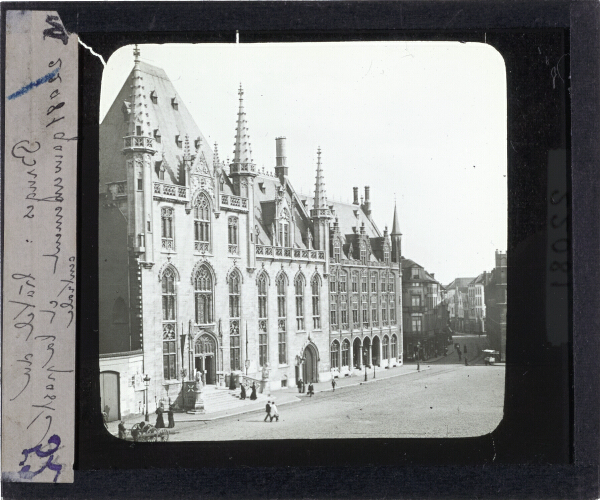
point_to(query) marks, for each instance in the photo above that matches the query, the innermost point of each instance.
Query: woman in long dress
(253, 394)
(160, 423)
(243, 393)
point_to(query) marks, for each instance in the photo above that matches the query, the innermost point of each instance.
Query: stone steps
(216, 400)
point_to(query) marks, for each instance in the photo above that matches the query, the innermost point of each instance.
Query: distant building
(476, 294)
(496, 302)
(458, 292)
(424, 322)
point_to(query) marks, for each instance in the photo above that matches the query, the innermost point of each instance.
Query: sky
(421, 123)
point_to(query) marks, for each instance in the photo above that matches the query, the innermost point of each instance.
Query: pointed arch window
(202, 224)
(281, 285)
(263, 353)
(373, 282)
(234, 322)
(315, 286)
(168, 324)
(355, 316)
(354, 282)
(166, 220)
(394, 347)
(374, 311)
(345, 353)
(244, 189)
(299, 292)
(343, 288)
(365, 312)
(333, 303)
(284, 228)
(119, 312)
(335, 354)
(203, 296)
(232, 235)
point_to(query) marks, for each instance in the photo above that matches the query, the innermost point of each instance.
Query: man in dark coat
(311, 390)
(268, 410)
(243, 391)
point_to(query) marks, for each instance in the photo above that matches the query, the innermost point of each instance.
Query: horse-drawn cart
(147, 433)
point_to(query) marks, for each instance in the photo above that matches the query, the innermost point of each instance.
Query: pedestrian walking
(465, 349)
(274, 414)
(268, 410)
(243, 391)
(253, 393)
(160, 423)
(122, 431)
(299, 384)
(333, 384)
(311, 390)
(466, 361)
(171, 419)
(459, 354)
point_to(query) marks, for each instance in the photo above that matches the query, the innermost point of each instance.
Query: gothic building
(221, 268)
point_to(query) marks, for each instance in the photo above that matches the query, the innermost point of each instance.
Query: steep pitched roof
(460, 283)
(169, 120)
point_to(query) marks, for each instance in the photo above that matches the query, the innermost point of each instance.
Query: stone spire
(320, 195)
(396, 236)
(216, 162)
(137, 125)
(321, 214)
(395, 224)
(242, 152)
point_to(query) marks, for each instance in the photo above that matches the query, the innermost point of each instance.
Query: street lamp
(365, 354)
(147, 383)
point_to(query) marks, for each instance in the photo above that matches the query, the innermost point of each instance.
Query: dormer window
(138, 130)
(125, 110)
(197, 143)
(261, 186)
(161, 174)
(415, 273)
(336, 252)
(153, 97)
(175, 103)
(157, 135)
(178, 141)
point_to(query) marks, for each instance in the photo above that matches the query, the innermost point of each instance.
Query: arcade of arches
(364, 352)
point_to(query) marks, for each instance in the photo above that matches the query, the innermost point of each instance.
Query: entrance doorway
(356, 353)
(376, 350)
(205, 358)
(310, 373)
(109, 395)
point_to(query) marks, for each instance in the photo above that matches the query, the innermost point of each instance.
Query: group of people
(244, 390)
(272, 413)
(160, 423)
(301, 386)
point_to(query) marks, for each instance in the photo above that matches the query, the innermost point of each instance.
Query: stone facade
(218, 268)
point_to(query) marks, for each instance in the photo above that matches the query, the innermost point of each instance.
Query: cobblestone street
(446, 400)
